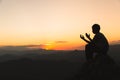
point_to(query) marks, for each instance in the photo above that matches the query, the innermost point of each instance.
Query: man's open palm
(87, 35)
(81, 36)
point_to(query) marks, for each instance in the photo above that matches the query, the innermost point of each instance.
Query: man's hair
(96, 26)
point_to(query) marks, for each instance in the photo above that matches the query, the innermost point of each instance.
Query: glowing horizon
(57, 24)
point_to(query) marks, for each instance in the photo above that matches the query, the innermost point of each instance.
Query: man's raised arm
(88, 36)
(82, 37)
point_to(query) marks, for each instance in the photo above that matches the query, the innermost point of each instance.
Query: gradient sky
(56, 24)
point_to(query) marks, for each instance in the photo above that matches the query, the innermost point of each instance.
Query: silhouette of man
(98, 44)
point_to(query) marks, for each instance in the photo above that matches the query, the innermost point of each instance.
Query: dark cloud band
(61, 42)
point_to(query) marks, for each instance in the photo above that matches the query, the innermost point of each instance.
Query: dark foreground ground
(38, 69)
(57, 65)
(58, 70)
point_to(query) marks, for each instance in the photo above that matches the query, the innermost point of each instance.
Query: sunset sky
(57, 24)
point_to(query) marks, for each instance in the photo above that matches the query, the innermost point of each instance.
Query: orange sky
(56, 24)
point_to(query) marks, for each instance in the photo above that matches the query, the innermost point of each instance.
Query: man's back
(101, 43)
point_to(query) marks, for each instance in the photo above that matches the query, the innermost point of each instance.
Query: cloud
(115, 42)
(13, 48)
(24, 47)
(61, 42)
(41, 45)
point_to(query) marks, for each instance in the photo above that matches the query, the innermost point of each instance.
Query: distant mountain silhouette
(21, 48)
(114, 48)
(42, 55)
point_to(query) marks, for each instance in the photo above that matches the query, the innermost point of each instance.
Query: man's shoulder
(100, 34)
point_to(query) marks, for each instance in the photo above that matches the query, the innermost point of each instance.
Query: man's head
(95, 28)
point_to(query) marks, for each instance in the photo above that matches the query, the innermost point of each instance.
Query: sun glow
(48, 46)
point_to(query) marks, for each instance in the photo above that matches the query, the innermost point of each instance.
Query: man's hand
(81, 36)
(87, 35)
